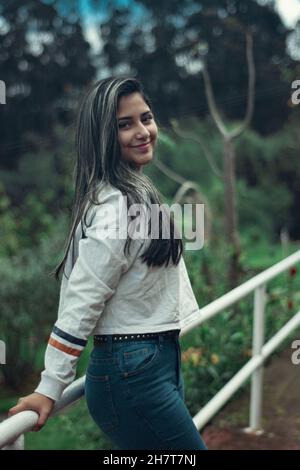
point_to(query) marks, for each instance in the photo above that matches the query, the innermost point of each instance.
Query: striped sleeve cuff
(66, 343)
(61, 357)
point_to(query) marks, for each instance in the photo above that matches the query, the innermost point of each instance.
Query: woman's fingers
(35, 402)
(16, 409)
(42, 420)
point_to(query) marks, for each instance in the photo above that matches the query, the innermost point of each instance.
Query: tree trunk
(231, 222)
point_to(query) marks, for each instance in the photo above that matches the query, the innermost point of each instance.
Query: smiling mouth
(141, 145)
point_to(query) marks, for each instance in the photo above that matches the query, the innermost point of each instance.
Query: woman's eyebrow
(130, 117)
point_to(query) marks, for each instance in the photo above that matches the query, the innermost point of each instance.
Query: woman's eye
(123, 125)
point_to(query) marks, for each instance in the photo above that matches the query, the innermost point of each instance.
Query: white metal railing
(260, 351)
(13, 428)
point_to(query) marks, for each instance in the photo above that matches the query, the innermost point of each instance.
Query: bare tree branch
(251, 85)
(185, 186)
(229, 156)
(168, 172)
(250, 99)
(192, 186)
(211, 102)
(199, 141)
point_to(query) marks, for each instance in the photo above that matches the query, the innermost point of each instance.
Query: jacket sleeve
(92, 282)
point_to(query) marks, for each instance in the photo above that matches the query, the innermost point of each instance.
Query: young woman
(131, 293)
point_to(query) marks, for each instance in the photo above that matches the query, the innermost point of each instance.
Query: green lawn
(262, 256)
(73, 430)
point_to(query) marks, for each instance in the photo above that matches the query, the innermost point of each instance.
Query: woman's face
(136, 127)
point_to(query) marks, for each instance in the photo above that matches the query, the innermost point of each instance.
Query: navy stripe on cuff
(72, 339)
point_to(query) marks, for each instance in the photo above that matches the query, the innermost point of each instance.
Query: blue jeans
(135, 394)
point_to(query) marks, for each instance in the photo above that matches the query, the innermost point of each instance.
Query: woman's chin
(141, 161)
(144, 160)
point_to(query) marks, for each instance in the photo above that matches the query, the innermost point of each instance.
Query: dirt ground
(280, 416)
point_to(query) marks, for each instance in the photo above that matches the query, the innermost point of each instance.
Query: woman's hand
(34, 402)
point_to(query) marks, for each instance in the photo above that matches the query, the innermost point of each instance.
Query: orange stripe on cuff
(63, 347)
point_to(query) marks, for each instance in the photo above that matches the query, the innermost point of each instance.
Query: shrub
(29, 302)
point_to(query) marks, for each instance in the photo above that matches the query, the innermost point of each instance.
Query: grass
(263, 255)
(72, 430)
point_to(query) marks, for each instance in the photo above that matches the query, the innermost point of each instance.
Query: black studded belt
(100, 339)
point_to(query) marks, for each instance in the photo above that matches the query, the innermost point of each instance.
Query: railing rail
(13, 428)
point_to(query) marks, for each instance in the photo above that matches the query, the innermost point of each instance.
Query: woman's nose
(142, 131)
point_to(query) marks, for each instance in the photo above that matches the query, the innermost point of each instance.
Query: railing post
(257, 344)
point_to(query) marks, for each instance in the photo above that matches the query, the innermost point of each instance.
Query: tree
(154, 39)
(44, 61)
(229, 173)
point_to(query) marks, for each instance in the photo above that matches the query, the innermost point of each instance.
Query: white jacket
(109, 292)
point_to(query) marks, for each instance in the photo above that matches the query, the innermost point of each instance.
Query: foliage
(29, 302)
(30, 246)
(39, 50)
(270, 166)
(9, 225)
(31, 201)
(216, 350)
(211, 354)
(36, 171)
(262, 169)
(135, 40)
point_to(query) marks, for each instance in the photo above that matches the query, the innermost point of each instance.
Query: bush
(29, 302)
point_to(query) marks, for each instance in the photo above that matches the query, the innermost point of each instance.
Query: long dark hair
(99, 160)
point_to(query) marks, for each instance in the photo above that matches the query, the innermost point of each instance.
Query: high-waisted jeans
(135, 394)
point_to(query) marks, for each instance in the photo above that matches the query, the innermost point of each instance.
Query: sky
(289, 10)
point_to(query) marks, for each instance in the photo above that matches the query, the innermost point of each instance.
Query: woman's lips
(142, 145)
